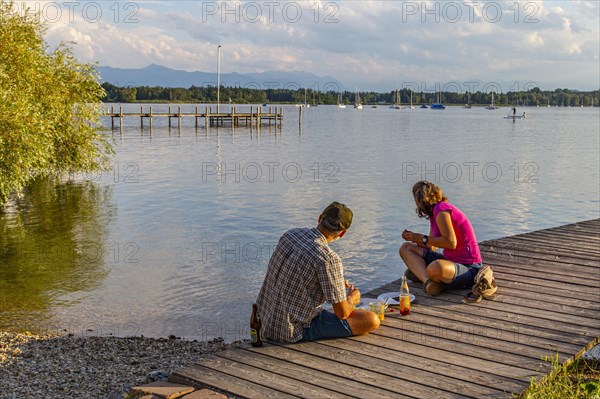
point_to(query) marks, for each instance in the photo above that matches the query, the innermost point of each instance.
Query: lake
(176, 238)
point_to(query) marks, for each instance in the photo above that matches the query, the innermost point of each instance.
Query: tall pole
(218, 76)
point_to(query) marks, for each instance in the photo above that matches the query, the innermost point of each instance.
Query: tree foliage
(49, 107)
(241, 95)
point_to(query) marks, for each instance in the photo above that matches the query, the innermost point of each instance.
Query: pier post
(120, 117)
(259, 117)
(196, 117)
(150, 119)
(206, 116)
(169, 117)
(142, 117)
(300, 117)
(179, 117)
(112, 117)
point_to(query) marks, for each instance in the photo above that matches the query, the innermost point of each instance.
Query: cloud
(373, 44)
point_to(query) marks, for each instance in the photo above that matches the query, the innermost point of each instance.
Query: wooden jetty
(255, 117)
(548, 303)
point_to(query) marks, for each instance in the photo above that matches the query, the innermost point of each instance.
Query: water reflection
(51, 244)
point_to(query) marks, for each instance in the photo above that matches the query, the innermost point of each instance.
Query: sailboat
(396, 104)
(411, 103)
(468, 104)
(340, 104)
(306, 104)
(357, 103)
(438, 105)
(492, 107)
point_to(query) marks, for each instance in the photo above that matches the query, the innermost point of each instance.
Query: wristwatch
(425, 239)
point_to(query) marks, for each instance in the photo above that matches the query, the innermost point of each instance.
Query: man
(303, 273)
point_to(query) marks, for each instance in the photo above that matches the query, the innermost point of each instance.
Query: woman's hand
(413, 237)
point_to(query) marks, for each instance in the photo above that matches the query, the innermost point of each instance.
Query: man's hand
(343, 309)
(353, 296)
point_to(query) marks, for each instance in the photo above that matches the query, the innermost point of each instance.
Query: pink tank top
(467, 249)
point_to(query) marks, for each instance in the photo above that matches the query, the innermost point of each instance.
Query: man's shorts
(464, 274)
(326, 325)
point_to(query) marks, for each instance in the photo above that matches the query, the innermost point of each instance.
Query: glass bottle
(255, 327)
(404, 298)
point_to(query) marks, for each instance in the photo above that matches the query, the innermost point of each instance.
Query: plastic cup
(378, 308)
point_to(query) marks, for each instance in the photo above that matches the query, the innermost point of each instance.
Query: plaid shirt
(303, 273)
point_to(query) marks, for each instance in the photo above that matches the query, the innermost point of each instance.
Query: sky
(375, 45)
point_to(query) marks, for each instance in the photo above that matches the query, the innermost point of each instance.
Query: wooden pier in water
(548, 303)
(255, 117)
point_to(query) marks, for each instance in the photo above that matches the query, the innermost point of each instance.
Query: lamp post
(218, 76)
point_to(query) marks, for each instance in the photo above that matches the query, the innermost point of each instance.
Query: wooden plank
(280, 383)
(536, 289)
(525, 245)
(474, 374)
(199, 376)
(406, 380)
(434, 333)
(572, 233)
(310, 355)
(424, 339)
(495, 328)
(517, 372)
(556, 247)
(469, 333)
(328, 379)
(526, 315)
(513, 289)
(516, 315)
(584, 241)
(262, 365)
(519, 262)
(533, 252)
(579, 281)
(282, 353)
(547, 285)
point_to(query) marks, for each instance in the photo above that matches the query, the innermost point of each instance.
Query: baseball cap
(336, 217)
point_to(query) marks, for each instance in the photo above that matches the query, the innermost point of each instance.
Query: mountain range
(156, 75)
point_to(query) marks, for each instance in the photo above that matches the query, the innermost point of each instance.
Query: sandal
(433, 288)
(472, 298)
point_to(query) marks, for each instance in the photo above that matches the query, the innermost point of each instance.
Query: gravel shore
(34, 366)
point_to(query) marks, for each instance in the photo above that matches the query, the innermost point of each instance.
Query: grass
(578, 380)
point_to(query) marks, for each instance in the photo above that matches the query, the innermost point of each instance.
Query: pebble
(63, 366)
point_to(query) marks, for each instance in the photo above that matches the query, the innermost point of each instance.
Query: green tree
(49, 107)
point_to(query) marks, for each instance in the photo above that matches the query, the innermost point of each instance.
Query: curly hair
(427, 195)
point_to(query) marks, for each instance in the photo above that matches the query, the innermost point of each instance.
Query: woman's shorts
(464, 274)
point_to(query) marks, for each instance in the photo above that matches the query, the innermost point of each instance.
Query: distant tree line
(240, 95)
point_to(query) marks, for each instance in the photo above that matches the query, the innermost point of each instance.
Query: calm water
(176, 239)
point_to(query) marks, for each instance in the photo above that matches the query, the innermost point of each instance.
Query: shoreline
(67, 366)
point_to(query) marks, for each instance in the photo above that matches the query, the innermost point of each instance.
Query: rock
(158, 375)
(95, 366)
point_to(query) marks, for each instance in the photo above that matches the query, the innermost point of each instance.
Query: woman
(449, 229)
